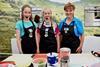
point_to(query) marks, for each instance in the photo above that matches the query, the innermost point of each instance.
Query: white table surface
(76, 60)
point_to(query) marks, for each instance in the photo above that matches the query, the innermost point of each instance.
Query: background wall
(10, 10)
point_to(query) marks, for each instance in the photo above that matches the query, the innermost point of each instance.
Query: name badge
(66, 29)
(30, 33)
(46, 29)
(46, 32)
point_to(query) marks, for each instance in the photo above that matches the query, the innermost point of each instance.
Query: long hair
(46, 9)
(22, 17)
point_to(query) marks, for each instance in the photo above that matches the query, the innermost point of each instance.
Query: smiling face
(69, 10)
(27, 12)
(47, 13)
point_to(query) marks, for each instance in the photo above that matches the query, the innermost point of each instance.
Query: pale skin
(70, 14)
(47, 13)
(98, 52)
(18, 41)
(26, 13)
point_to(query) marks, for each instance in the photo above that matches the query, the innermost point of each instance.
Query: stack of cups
(64, 57)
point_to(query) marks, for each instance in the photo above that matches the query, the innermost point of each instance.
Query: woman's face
(69, 12)
(47, 14)
(27, 12)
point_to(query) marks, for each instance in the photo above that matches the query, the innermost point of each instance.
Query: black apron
(48, 41)
(28, 42)
(69, 39)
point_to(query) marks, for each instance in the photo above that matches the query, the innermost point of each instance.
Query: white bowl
(39, 62)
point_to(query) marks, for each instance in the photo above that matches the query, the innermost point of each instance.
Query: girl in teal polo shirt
(25, 32)
(72, 33)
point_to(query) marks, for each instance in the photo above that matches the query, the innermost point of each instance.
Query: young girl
(48, 34)
(25, 32)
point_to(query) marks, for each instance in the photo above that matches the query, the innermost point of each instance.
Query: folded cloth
(7, 64)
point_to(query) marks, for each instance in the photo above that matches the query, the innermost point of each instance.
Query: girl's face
(69, 12)
(27, 12)
(47, 14)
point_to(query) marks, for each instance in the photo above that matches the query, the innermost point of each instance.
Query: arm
(60, 26)
(81, 40)
(81, 36)
(57, 33)
(79, 49)
(18, 40)
(37, 39)
(58, 42)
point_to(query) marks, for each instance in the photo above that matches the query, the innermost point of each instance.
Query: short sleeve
(55, 28)
(80, 29)
(18, 27)
(57, 31)
(60, 25)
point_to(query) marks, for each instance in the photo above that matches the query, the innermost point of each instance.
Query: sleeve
(57, 31)
(80, 29)
(18, 27)
(60, 25)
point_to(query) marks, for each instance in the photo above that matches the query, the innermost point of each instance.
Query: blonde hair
(69, 5)
(46, 9)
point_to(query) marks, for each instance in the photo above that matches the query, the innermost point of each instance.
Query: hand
(20, 51)
(79, 49)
